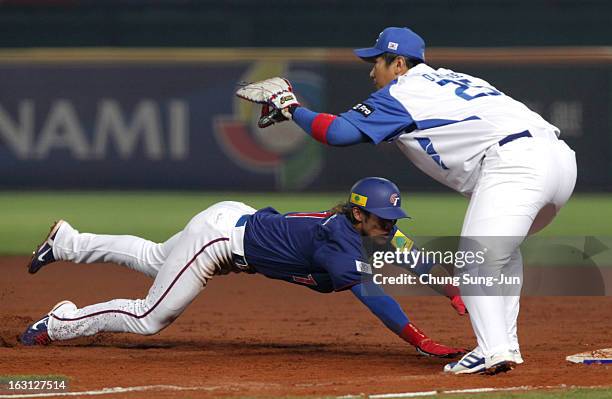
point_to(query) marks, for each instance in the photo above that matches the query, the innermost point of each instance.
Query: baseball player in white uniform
(466, 134)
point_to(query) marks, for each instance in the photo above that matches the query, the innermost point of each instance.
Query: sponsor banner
(88, 125)
(147, 126)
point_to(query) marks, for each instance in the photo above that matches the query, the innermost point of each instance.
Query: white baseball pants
(522, 186)
(181, 267)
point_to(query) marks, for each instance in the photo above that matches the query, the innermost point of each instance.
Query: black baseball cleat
(44, 254)
(37, 333)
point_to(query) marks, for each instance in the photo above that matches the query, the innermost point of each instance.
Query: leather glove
(277, 97)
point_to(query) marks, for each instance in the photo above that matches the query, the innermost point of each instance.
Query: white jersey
(445, 121)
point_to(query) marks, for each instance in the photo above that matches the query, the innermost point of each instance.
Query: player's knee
(156, 321)
(153, 325)
(496, 259)
(152, 330)
(543, 218)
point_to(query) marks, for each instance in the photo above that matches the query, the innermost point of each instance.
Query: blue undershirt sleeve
(340, 133)
(382, 305)
(303, 117)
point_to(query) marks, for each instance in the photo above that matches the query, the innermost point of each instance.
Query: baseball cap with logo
(400, 41)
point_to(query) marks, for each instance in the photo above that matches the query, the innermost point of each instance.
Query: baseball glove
(277, 99)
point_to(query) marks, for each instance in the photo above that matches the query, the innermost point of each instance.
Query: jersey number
(464, 85)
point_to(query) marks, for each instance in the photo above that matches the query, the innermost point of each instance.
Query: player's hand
(426, 346)
(457, 303)
(277, 97)
(454, 295)
(434, 349)
(269, 116)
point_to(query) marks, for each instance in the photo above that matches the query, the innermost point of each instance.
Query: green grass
(574, 393)
(571, 393)
(157, 215)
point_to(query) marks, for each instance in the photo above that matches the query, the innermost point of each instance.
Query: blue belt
(242, 220)
(239, 260)
(513, 137)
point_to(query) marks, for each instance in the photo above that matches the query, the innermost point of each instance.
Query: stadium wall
(95, 118)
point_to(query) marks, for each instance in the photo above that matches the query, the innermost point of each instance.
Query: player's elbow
(342, 133)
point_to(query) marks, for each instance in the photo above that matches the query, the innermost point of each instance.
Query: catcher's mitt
(276, 96)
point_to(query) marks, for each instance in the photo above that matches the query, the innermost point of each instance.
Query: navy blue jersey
(319, 250)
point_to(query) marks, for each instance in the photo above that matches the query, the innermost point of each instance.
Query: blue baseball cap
(400, 41)
(379, 196)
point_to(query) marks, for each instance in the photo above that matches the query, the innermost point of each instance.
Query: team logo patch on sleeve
(364, 109)
(401, 242)
(363, 267)
(360, 200)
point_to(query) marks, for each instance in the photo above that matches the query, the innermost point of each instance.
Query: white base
(599, 356)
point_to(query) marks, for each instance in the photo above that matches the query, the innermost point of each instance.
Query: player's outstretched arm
(327, 128)
(392, 315)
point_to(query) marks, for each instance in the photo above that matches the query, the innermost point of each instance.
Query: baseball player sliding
(468, 135)
(322, 251)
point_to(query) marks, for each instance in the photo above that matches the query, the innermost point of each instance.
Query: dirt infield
(246, 335)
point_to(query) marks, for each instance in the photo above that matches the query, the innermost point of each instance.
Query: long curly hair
(346, 209)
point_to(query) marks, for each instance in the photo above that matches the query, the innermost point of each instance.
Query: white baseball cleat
(471, 363)
(518, 359)
(59, 305)
(500, 363)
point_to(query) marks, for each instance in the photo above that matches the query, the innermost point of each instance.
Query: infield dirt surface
(246, 335)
